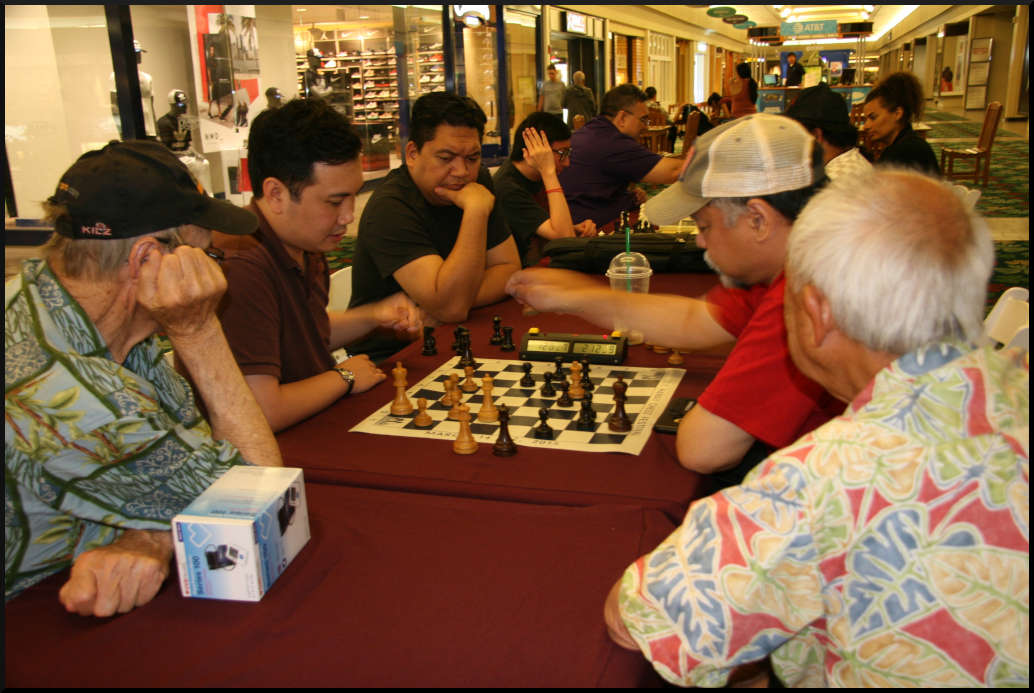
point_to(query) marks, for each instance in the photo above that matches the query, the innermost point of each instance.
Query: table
(393, 589)
(652, 479)
(423, 569)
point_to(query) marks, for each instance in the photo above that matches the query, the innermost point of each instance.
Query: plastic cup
(630, 272)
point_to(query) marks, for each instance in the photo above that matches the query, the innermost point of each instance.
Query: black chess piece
(548, 390)
(504, 445)
(586, 380)
(527, 380)
(497, 332)
(587, 415)
(618, 420)
(457, 345)
(543, 430)
(558, 366)
(430, 343)
(467, 357)
(507, 340)
(565, 399)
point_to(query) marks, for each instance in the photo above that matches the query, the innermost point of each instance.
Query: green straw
(628, 251)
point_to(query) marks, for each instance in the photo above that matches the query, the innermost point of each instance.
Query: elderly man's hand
(555, 290)
(181, 290)
(120, 576)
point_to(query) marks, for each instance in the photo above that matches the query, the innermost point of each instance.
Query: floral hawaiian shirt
(90, 446)
(888, 547)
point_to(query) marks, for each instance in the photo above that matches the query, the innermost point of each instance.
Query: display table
(393, 589)
(326, 451)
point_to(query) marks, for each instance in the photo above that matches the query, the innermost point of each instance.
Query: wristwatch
(349, 377)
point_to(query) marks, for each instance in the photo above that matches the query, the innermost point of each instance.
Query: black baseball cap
(823, 107)
(131, 188)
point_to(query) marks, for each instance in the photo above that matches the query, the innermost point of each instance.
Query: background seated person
(703, 123)
(431, 228)
(864, 554)
(303, 159)
(889, 110)
(824, 114)
(742, 92)
(104, 443)
(744, 221)
(606, 157)
(541, 148)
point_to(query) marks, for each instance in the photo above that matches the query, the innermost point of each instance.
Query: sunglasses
(175, 240)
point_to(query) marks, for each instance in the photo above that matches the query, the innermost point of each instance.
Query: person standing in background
(579, 99)
(551, 97)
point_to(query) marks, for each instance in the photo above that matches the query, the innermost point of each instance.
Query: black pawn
(507, 339)
(548, 390)
(430, 343)
(504, 445)
(558, 364)
(619, 421)
(527, 380)
(467, 357)
(565, 399)
(457, 345)
(586, 380)
(543, 430)
(497, 332)
(587, 415)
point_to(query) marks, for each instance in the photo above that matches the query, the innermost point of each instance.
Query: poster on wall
(960, 60)
(224, 46)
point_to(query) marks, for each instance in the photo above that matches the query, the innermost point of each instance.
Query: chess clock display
(546, 346)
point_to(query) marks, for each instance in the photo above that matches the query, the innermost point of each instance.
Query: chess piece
(446, 400)
(467, 359)
(507, 340)
(547, 389)
(489, 413)
(527, 380)
(469, 385)
(454, 412)
(564, 400)
(422, 418)
(587, 383)
(497, 332)
(543, 430)
(401, 406)
(464, 443)
(430, 343)
(618, 421)
(676, 358)
(576, 381)
(457, 344)
(457, 393)
(587, 415)
(504, 445)
(558, 367)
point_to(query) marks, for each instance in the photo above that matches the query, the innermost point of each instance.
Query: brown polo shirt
(274, 313)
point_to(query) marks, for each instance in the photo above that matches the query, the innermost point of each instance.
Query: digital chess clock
(542, 346)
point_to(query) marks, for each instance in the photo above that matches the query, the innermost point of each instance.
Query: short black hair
(621, 98)
(843, 137)
(286, 142)
(650, 92)
(900, 90)
(553, 125)
(442, 107)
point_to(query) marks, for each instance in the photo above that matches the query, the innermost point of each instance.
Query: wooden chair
(578, 121)
(692, 128)
(1010, 314)
(656, 116)
(980, 154)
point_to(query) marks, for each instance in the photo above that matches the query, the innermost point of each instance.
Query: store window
(521, 31)
(478, 66)
(57, 94)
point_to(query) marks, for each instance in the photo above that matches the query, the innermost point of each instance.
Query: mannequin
(173, 131)
(146, 95)
(274, 99)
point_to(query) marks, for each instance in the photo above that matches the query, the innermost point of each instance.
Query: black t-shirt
(911, 150)
(398, 226)
(515, 198)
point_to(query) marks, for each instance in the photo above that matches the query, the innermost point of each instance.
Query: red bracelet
(553, 190)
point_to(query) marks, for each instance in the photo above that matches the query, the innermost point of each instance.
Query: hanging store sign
(825, 27)
(574, 23)
(721, 12)
(735, 19)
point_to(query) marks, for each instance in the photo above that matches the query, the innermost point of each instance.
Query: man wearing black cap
(825, 115)
(104, 442)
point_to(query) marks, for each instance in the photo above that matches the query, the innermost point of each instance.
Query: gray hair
(901, 258)
(88, 258)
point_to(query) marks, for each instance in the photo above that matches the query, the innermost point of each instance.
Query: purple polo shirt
(603, 162)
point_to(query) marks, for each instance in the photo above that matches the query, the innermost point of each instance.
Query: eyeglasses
(563, 153)
(175, 240)
(645, 120)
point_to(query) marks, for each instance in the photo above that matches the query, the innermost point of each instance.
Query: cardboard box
(238, 536)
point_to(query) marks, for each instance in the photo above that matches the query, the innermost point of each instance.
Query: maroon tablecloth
(393, 589)
(328, 453)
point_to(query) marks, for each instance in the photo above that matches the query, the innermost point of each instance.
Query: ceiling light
(301, 9)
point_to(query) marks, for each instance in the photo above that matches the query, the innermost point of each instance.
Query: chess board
(649, 390)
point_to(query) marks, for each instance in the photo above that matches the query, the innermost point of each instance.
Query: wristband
(349, 377)
(554, 190)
